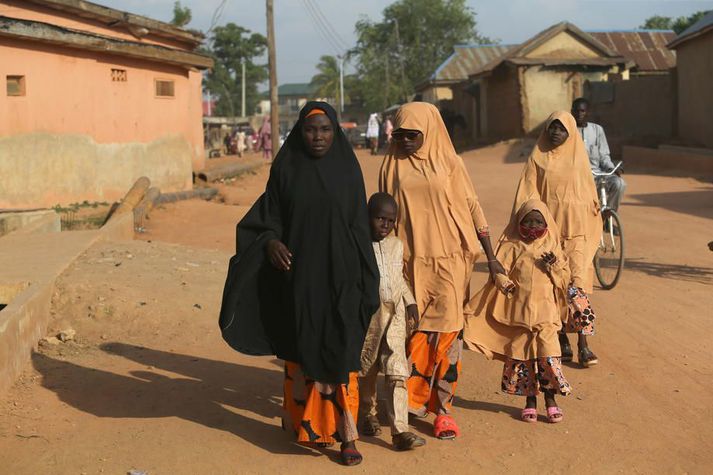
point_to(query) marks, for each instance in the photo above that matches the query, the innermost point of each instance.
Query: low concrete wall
(46, 221)
(677, 161)
(42, 170)
(31, 263)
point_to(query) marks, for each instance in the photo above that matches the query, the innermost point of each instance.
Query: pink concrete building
(94, 98)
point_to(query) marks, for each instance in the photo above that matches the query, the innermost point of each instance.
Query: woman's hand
(278, 254)
(412, 315)
(495, 267)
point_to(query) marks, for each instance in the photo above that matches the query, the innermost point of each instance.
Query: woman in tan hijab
(558, 173)
(516, 318)
(440, 222)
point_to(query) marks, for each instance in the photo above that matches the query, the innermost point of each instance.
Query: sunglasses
(401, 136)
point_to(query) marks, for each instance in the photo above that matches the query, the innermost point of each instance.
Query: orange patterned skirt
(320, 412)
(435, 361)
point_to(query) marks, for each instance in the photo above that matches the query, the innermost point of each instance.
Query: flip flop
(350, 457)
(529, 414)
(445, 428)
(554, 415)
(371, 427)
(407, 441)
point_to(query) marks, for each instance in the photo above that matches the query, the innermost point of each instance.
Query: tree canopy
(412, 39)
(181, 15)
(679, 25)
(230, 46)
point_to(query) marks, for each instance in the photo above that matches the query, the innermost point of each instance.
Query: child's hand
(278, 254)
(549, 258)
(412, 315)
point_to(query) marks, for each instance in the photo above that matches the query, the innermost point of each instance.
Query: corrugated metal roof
(466, 60)
(698, 28)
(647, 48)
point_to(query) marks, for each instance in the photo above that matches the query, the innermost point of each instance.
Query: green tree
(679, 25)
(230, 46)
(682, 23)
(326, 81)
(413, 38)
(181, 15)
(657, 22)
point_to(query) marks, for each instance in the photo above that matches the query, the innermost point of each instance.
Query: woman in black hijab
(304, 282)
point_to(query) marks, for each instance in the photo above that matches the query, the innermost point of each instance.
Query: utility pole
(341, 85)
(242, 103)
(274, 106)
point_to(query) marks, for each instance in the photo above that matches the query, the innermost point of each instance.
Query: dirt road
(149, 384)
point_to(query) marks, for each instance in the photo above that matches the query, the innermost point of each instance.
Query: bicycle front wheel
(609, 259)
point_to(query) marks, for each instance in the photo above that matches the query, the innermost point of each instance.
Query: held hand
(549, 258)
(412, 315)
(495, 267)
(278, 254)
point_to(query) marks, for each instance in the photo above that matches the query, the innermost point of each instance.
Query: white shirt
(595, 142)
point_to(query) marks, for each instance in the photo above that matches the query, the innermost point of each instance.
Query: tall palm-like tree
(326, 81)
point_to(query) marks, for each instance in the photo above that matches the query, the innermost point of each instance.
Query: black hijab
(317, 313)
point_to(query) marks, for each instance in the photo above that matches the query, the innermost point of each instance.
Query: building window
(164, 88)
(15, 85)
(118, 75)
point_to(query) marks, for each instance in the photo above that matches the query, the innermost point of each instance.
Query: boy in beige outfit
(385, 344)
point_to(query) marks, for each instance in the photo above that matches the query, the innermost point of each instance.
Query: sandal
(529, 414)
(370, 426)
(407, 441)
(350, 457)
(587, 358)
(554, 415)
(445, 428)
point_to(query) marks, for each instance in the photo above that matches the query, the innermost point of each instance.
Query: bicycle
(609, 259)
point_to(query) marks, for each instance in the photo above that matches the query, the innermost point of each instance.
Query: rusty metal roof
(647, 48)
(466, 60)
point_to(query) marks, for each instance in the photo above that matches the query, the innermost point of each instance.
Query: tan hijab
(561, 177)
(495, 324)
(437, 218)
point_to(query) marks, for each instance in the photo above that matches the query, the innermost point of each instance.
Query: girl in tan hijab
(558, 173)
(516, 318)
(440, 222)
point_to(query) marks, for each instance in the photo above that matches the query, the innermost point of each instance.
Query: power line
(344, 45)
(322, 29)
(217, 13)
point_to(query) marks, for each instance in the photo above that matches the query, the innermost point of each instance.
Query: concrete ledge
(39, 221)
(669, 160)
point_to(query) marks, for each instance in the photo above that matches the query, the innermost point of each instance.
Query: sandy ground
(148, 384)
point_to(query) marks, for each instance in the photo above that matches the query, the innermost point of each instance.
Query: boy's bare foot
(407, 441)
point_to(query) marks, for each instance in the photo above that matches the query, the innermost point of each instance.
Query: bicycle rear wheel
(609, 259)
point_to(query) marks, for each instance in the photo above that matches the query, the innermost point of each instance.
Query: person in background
(595, 142)
(372, 133)
(265, 139)
(388, 129)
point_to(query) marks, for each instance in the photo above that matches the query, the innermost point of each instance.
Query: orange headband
(315, 112)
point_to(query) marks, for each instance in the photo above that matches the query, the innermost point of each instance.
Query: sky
(300, 44)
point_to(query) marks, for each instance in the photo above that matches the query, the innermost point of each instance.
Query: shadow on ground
(697, 203)
(701, 275)
(203, 393)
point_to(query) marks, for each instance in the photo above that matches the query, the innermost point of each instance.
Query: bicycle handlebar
(618, 165)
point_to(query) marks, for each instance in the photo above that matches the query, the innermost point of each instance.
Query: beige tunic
(525, 326)
(438, 215)
(385, 342)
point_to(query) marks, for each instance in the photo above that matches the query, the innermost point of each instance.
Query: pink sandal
(443, 424)
(529, 414)
(554, 415)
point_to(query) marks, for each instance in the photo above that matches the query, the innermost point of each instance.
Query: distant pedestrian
(595, 142)
(241, 145)
(265, 138)
(372, 133)
(388, 129)
(515, 318)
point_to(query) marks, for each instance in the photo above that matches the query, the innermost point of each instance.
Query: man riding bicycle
(595, 141)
